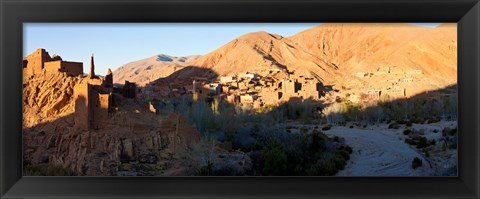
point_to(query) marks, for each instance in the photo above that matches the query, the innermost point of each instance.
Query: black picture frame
(14, 13)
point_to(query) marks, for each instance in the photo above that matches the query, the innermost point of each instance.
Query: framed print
(239, 99)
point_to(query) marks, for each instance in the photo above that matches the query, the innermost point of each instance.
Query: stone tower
(92, 67)
(109, 79)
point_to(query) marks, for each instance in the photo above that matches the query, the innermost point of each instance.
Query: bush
(227, 168)
(47, 170)
(409, 141)
(327, 127)
(200, 157)
(435, 131)
(409, 123)
(422, 142)
(340, 162)
(322, 168)
(346, 148)
(345, 154)
(393, 125)
(447, 131)
(304, 129)
(407, 132)
(336, 139)
(417, 162)
(275, 160)
(243, 142)
(402, 122)
(433, 120)
(328, 167)
(425, 151)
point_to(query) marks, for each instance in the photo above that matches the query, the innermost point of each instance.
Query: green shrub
(425, 151)
(433, 120)
(206, 170)
(393, 125)
(47, 170)
(407, 132)
(304, 129)
(402, 121)
(435, 131)
(327, 167)
(340, 162)
(327, 127)
(410, 141)
(447, 131)
(417, 162)
(345, 154)
(322, 168)
(413, 120)
(422, 142)
(346, 148)
(275, 160)
(409, 123)
(336, 139)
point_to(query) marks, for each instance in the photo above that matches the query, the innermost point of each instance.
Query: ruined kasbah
(93, 97)
(87, 125)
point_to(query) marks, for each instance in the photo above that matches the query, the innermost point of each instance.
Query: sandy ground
(379, 151)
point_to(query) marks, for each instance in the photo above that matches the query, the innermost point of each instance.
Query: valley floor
(379, 151)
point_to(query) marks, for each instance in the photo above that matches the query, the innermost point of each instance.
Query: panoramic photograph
(240, 99)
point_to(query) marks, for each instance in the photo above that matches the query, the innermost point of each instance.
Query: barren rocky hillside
(136, 142)
(149, 69)
(337, 52)
(375, 47)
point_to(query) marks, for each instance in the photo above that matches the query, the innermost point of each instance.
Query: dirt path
(379, 153)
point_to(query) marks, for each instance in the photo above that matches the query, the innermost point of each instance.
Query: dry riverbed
(380, 151)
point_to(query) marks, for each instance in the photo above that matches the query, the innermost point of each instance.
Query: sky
(116, 44)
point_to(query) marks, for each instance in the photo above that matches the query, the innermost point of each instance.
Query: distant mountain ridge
(149, 69)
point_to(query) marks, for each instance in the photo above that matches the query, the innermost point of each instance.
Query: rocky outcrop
(46, 97)
(134, 136)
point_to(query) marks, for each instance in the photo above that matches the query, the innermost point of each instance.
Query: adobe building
(93, 102)
(71, 68)
(92, 106)
(40, 61)
(33, 63)
(129, 89)
(310, 90)
(228, 79)
(290, 86)
(374, 94)
(233, 99)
